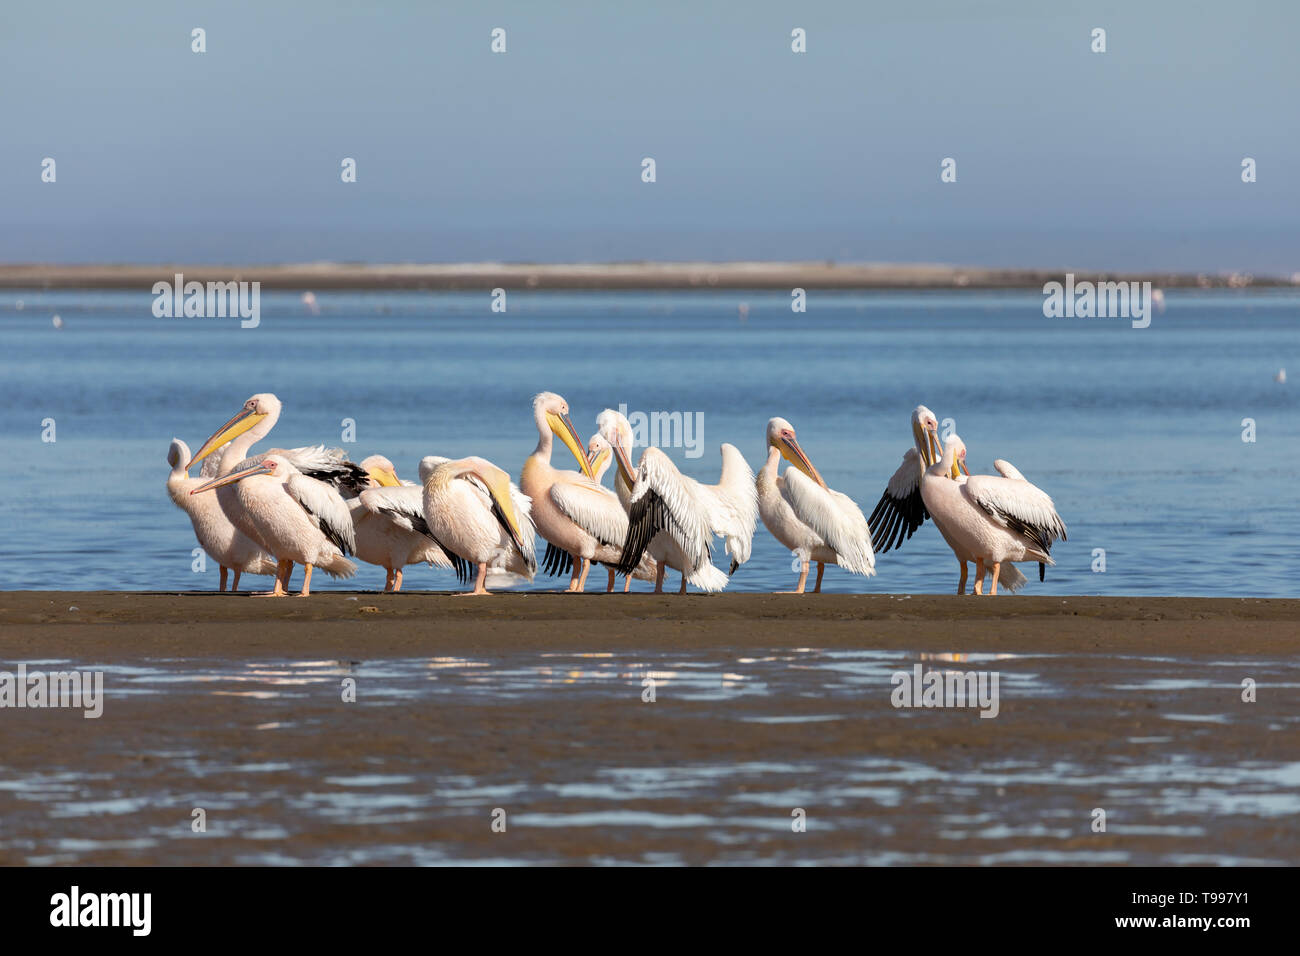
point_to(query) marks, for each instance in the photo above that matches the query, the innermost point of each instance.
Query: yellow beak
(233, 477)
(384, 477)
(564, 430)
(791, 452)
(624, 464)
(498, 486)
(598, 461)
(231, 430)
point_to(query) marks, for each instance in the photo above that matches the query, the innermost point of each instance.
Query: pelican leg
(997, 569)
(282, 571)
(682, 589)
(479, 583)
(235, 586)
(573, 578)
(586, 569)
(961, 585)
(659, 578)
(821, 569)
(222, 587)
(388, 579)
(803, 579)
(979, 575)
(610, 588)
(306, 581)
(397, 580)
(627, 584)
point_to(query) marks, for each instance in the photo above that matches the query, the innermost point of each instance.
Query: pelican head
(381, 471)
(599, 451)
(780, 435)
(958, 456)
(427, 464)
(178, 454)
(617, 430)
(552, 412)
(277, 466)
(925, 431)
(260, 407)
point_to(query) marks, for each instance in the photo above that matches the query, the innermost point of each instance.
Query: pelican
(472, 506)
(815, 522)
(601, 453)
(675, 517)
(995, 519)
(390, 528)
(229, 546)
(251, 424)
(905, 504)
(576, 515)
(300, 519)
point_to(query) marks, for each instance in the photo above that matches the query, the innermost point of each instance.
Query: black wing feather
(894, 520)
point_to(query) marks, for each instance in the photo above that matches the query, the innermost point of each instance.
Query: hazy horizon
(1124, 160)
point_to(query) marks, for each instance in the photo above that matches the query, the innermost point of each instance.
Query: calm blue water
(1137, 434)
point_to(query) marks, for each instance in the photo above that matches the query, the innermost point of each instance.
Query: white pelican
(477, 512)
(815, 522)
(995, 519)
(300, 519)
(251, 424)
(576, 515)
(675, 517)
(904, 505)
(390, 528)
(601, 453)
(226, 544)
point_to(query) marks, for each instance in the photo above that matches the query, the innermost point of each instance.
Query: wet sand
(764, 703)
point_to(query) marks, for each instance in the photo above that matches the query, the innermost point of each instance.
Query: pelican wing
(323, 504)
(1025, 508)
(664, 501)
(900, 510)
(403, 505)
(331, 466)
(1008, 470)
(592, 507)
(732, 506)
(527, 530)
(834, 516)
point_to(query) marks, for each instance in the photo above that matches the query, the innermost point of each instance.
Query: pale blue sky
(1128, 159)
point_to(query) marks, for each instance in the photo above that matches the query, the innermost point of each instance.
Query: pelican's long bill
(927, 442)
(242, 422)
(624, 463)
(384, 477)
(788, 445)
(564, 430)
(497, 483)
(597, 461)
(258, 469)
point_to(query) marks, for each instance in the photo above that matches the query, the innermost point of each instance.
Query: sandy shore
(611, 276)
(126, 625)
(767, 704)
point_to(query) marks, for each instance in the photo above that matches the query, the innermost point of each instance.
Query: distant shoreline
(478, 276)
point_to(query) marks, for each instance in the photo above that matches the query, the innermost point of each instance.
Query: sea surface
(1136, 433)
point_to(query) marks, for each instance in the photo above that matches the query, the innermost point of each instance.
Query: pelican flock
(261, 514)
